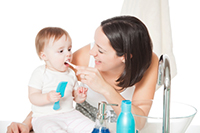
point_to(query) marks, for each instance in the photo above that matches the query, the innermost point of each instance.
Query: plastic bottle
(125, 120)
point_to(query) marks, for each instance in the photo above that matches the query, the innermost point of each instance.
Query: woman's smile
(97, 62)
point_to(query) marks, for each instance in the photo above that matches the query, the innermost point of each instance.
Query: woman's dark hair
(129, 37)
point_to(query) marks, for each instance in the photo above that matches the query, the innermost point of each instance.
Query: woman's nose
(93, 51)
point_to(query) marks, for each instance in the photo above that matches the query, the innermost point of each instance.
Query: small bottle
(125, 120)
(101, 122)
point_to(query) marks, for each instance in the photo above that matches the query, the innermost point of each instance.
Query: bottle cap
(126, 106)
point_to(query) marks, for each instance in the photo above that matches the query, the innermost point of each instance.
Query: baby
(53, 45)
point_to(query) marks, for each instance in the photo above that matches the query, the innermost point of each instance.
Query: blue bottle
(125, 120)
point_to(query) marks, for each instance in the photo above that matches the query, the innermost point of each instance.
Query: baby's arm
(80, 94)
(37, 98)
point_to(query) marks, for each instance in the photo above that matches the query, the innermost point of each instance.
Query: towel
(155, 15)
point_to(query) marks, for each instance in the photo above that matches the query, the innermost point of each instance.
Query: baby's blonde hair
(46, 34)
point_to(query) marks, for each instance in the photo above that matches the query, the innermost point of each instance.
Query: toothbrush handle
(56, 105)
(60, 88)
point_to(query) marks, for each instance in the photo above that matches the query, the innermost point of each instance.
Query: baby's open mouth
(65, 63)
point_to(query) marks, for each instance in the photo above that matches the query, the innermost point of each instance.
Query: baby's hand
(82, 91)
(53, 96)
(81, 94)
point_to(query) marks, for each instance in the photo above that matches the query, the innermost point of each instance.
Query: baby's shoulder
(40, 69)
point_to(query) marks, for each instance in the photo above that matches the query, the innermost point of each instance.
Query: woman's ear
(43, 56)
(122, 59)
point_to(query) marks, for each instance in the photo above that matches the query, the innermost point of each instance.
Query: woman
(119, 65)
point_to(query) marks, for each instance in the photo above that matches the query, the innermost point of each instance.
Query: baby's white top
(47, 80)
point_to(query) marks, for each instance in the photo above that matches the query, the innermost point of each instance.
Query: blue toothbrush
(60, 88)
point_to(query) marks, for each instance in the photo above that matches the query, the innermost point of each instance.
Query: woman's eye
(100, 51)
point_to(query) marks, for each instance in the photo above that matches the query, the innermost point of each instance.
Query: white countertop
(191, 128)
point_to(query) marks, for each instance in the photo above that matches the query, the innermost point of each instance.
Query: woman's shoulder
(154, 58)
(81, 56)
(153, 68)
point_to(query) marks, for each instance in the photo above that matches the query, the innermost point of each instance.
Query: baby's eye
(60, 51)
(69, 49)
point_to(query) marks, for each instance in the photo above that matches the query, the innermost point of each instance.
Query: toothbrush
(60, 88)
(74, 66)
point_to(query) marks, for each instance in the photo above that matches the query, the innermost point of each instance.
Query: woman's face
(105, 56)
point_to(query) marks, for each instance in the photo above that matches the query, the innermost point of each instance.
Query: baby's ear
(43, 56)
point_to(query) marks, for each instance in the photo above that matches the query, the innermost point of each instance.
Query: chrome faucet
(164, 77)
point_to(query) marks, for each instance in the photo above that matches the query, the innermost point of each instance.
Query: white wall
(185, 24)
(21, 20)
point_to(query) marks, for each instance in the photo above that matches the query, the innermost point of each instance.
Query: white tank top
(93, 97)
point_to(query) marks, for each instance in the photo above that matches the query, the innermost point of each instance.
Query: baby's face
(57, 53)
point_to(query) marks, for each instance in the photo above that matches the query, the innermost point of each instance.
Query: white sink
(181, 116)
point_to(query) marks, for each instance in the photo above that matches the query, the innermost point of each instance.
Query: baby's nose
(68, 54)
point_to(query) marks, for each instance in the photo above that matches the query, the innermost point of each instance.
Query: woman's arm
(145, 88)
(28, 120)
(81, 57)
(24, 127)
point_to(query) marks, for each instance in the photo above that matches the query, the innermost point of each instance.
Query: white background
(21, 20)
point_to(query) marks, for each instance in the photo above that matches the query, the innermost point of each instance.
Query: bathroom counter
(191, 128)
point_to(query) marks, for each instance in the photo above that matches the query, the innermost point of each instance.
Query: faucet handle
(112, 104)
(164, 75)
(160, 71)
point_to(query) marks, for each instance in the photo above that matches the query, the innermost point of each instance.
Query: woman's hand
(92, 78)
(15, 127)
